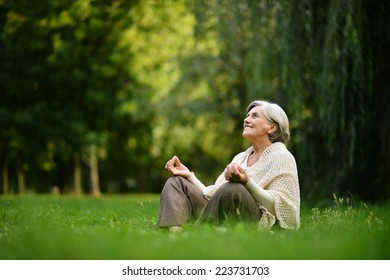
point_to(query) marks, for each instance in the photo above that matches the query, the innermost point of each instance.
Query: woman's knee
(176, 184)
(173, 181)
(231, 189)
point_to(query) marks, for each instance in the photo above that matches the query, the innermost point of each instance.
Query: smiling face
(256, 126)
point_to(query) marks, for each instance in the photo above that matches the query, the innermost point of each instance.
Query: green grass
(123, 227)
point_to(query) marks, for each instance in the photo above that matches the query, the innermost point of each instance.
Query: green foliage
(135, 82)
(123, 227)
(66, 80)
(319, 61)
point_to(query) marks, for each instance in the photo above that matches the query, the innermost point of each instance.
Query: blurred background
(96, 95)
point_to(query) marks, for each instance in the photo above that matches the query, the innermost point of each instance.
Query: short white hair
(276, 115)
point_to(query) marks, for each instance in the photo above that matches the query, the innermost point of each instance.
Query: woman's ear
(273, 128)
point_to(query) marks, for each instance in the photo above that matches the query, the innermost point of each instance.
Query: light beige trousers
(181, 202)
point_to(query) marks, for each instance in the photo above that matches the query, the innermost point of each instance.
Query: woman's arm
(261, 196)
(196, 182)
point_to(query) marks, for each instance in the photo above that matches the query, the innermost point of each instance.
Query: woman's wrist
(196, 182)
(248, 182)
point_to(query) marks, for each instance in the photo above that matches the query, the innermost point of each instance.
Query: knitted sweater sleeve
(282, 184)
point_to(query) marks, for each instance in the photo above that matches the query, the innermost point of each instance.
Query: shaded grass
(123, 227)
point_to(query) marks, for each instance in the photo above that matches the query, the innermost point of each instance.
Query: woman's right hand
(177, 168)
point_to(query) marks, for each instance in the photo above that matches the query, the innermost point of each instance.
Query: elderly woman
(260, 184)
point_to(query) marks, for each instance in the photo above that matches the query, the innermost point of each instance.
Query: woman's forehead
(256, 109)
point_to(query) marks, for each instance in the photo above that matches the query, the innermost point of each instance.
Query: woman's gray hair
(276, 115)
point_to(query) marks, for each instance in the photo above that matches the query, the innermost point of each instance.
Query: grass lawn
(123, 227)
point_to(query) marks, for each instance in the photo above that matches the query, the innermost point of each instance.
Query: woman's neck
(259, 147)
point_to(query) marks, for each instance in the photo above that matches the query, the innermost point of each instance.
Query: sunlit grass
(123, 227)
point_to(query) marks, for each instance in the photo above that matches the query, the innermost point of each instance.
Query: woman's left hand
(236, 174)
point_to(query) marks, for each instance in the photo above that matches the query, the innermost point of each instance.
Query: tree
(115, 88)
(75, 81)
(323, 63)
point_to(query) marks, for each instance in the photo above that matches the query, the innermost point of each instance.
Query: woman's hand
(236, 174)
(177, 168)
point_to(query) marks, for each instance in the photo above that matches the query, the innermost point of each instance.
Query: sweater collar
(277, 146)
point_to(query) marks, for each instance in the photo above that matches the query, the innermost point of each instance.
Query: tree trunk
(77, 177)
(5, 179)
(94, 175)
(21, 181)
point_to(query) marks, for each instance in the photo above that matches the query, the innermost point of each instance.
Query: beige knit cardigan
(275, 172)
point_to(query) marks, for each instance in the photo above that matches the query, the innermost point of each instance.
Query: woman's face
(256, 125)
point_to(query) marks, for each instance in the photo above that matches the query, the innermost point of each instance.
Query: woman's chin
(246, 134)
